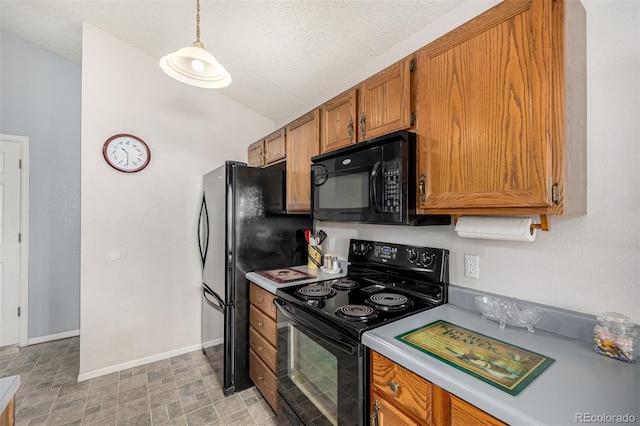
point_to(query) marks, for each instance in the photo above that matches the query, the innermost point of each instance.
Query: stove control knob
(427, 259)
(412, 255)
(364, 248)
(355, 247)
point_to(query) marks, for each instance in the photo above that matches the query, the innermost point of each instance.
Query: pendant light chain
(198, 21)
(197, 42)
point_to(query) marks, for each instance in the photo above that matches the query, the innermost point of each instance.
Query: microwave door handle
(373, 184)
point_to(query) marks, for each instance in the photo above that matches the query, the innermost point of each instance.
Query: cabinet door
(255, 154)
(303, 142)
(384, 413)
(404, 388)
(485, 110)
(338, 118)
(385, 101)
(274, 147)
(465, 414)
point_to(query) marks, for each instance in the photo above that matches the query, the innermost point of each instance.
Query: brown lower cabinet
(263, 337)
(400, 397)
(7, 418)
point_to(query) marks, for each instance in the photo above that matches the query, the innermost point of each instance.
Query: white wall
(587, 263)
(40, 98)
(146, 305)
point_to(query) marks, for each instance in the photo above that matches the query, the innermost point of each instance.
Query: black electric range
(385, 282)
(322, 366)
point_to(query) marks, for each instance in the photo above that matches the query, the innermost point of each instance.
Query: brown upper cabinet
(303, 142)
(275, 147)
(338, 120)
(255, 154)
(268, 151)
(501, 113)
(384, 103)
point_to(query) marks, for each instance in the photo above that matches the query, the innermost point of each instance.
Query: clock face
(126, 153)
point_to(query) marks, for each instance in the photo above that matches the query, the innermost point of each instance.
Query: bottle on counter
(614, 336)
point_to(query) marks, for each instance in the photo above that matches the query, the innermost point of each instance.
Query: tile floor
(178, 391)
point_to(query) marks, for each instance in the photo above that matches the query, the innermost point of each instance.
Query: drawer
(465, 414)
(264, 379)
(263, 349)
(263, 325)
(263, 300)
(402, 386)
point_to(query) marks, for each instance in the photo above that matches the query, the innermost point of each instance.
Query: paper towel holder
(543, 225)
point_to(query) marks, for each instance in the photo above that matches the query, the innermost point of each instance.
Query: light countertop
(580, 383)
(272, 286)
(8, 388)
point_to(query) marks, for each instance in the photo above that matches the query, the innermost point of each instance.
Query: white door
(9, 243)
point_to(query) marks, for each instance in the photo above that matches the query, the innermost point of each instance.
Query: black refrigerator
(243, 227)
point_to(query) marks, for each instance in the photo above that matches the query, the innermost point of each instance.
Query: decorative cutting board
(505, 366)
(284, 275)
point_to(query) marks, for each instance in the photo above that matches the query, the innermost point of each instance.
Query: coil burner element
(315, 292)
(389, 301)
(357, 312)
(345, 284)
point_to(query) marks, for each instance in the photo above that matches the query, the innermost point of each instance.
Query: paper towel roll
(496, 228)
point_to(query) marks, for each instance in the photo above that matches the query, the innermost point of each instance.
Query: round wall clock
(126, 153)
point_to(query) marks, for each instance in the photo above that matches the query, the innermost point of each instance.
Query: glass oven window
(345, 191)
(314, 371)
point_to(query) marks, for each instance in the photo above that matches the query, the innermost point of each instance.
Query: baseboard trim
(52, 337)
(136, 363)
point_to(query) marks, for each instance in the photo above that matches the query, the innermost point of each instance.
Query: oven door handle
(350, 349)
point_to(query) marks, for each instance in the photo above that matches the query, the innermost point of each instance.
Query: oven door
(320, 371)
(348, 187)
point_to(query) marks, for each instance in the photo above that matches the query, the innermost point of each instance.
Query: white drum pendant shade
(195, 66)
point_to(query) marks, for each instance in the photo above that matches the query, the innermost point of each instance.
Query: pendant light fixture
(194, 65)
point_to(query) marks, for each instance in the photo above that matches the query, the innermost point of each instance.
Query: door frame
(24, 232)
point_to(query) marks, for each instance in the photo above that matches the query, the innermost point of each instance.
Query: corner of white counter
(8, 388)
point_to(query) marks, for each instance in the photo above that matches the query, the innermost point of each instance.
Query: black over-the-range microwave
(370, 182)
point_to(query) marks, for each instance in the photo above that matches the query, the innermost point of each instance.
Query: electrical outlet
(472, 266)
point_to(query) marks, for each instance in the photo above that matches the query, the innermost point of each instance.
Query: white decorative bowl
(509, 312)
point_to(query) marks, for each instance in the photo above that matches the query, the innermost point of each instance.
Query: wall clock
(126, 153)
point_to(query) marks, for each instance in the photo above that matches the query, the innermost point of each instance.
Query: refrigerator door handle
(206, 291)
(203, 231)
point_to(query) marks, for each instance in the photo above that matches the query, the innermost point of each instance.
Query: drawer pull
(260, 378)
(376, 413)
(394, 386)
(259, 348)
(260, 324)
(260, 299)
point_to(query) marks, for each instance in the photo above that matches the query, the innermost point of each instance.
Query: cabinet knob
(260, 378)
(260, 299)
(260, 324)
(260, 348)
(394, 386)
(363, 125)
(350, 129)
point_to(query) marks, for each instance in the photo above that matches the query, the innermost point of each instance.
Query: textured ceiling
(279, 53)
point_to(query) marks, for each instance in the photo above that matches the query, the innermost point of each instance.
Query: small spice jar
(615, 337)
